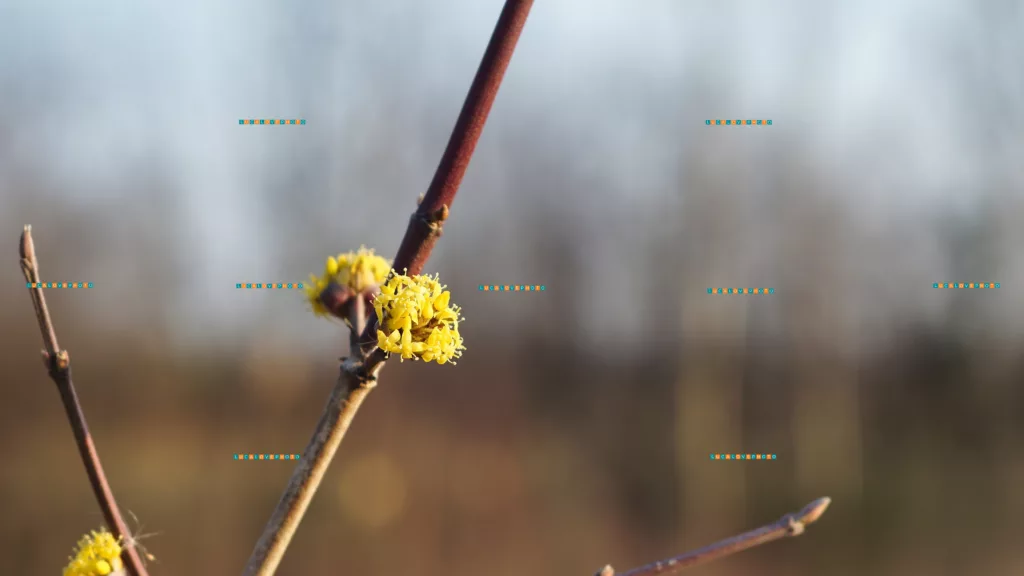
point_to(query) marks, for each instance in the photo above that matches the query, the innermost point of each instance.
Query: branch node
(440, 215)
(63, 360)
(794, 527)
(56, 363)
(433, 222)
(365, 376)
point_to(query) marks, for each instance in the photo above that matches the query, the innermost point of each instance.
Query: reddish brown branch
(427, 222)
(58, 363)
(788, 525)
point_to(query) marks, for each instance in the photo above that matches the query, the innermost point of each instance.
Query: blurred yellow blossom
(97, 554)
(357, 271)
(417, 320)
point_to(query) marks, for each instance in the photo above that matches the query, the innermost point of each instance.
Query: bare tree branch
(788, 525)
(58, 363)
(345, 399)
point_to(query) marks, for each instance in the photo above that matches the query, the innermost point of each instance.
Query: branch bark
(788, 525)
(345, 399)
(58, 364)
(425, 225)
(359, 371)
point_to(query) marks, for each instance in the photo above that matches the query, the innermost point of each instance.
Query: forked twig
(359, 371)
(58, 363)
(788, 525)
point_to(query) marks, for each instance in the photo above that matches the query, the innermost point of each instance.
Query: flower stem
(357, 323)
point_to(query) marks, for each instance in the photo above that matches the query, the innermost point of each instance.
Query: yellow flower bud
(97, 554)
(417, 321)
(359, 271)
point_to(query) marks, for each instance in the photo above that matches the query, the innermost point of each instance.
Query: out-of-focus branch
(58, 363)
(359, 371)
(788, 525)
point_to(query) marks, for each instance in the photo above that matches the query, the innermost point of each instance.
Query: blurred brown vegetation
(539, 452)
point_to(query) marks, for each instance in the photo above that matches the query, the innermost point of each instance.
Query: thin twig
(788, 525)
(359, 372)
(346, 398)
(58, 363)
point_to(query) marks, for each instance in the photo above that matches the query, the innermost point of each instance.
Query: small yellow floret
(359, 271)
(97, 554)
(417, 320)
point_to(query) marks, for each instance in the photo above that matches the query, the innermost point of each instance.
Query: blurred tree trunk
(826, 425)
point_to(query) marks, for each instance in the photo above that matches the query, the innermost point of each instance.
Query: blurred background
(576, 429)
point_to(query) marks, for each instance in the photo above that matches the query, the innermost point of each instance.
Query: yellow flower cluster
(357, 271)
(417, 320)
(97, 554)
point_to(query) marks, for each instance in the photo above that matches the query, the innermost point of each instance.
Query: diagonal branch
(359, 372)
(58, 363)
(427, 222)
(788, 525)
(345, 399)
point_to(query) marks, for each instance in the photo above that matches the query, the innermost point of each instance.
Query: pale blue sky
(873, 90)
